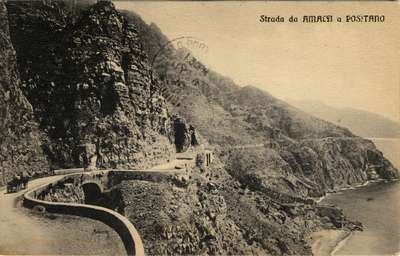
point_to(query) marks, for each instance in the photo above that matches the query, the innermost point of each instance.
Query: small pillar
(88, 157)
(204, 158)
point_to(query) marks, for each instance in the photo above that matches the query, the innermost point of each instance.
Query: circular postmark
(177, 66)
(195, 45)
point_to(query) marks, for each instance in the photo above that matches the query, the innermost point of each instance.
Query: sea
(377, 206)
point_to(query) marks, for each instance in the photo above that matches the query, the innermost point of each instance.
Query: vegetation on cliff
(301, 154)
(110, 80)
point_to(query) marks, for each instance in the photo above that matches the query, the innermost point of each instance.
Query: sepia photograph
(199, 127)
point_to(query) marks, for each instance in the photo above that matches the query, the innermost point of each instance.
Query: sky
(340, 64)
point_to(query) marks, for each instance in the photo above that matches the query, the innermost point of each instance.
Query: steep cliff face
(90, 83)
(93, 81)
(19, 136)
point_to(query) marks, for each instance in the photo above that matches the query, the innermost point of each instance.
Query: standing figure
(24, 179)
(17, 182)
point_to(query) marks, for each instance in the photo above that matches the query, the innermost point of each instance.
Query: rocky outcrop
(90, 83)
(20, 146)
(349, 161)
(213, 213)
(308, 168)
(98, 98)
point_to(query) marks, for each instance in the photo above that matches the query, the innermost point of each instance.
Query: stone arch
(93, 192)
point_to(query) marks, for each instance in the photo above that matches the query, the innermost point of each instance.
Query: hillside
(361, 122)
(300, 156)
(106, 82)
(229, 115)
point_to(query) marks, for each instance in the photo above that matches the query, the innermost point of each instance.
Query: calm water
(377, 206)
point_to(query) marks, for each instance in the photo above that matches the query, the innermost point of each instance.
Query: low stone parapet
(125, 229)
(68, 171)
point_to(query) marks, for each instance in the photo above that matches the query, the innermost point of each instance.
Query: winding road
(22, 232)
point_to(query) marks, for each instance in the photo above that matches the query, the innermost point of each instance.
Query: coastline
(341, 243)
(366, 183)
(330, 242)
(327, 241)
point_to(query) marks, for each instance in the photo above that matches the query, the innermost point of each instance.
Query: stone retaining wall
(178, 177)
(129, 235)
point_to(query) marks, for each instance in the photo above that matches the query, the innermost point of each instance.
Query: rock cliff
(20, 146)
(100, 83)
(89, 83)
(212, 213)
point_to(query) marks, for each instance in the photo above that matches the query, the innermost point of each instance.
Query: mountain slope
(94, 79)
(362, 123)
(228, 115)
(272, 155)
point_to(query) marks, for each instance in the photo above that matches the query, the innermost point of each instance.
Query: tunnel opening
(92, 193)
(180, 137)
